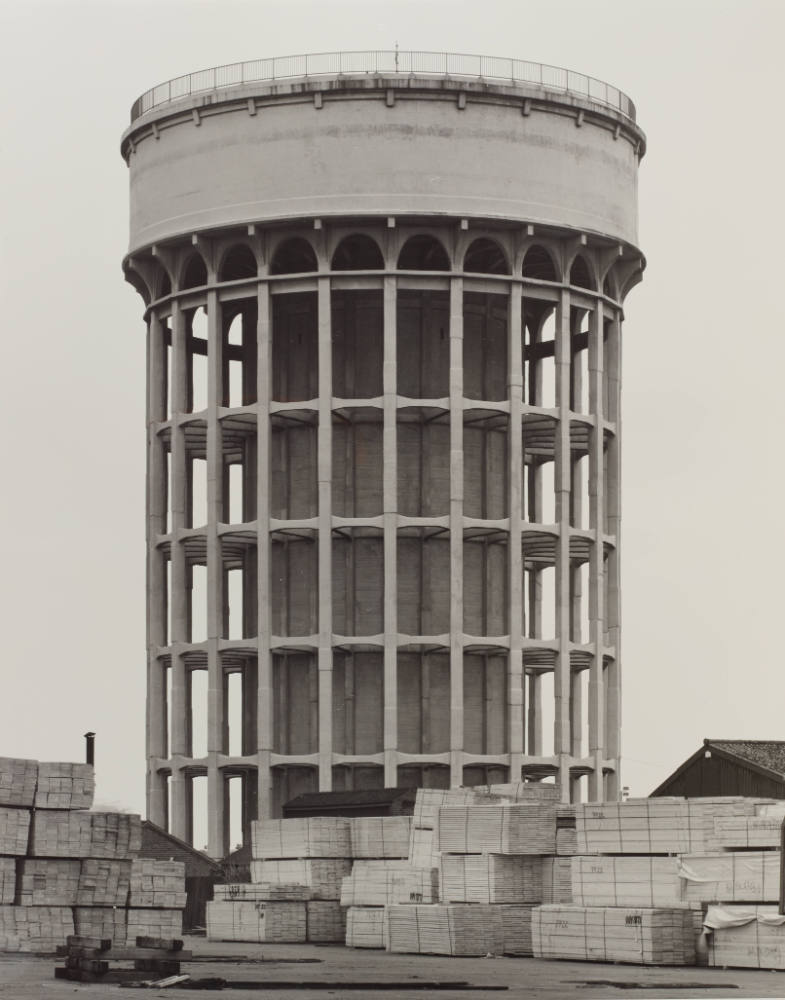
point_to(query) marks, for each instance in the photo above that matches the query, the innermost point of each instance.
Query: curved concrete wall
(380, 151)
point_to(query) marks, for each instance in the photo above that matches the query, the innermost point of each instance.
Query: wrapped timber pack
(626, 881)
(749, 937)
(380, 836)
(521, 828)
(614, 934)
(323, 876)
(731, 877)
(244, 920)
(377, 883)
(457, 929)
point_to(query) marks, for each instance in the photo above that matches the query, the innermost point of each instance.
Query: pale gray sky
(704, 348)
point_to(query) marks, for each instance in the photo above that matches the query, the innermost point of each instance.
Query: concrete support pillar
(456, 531)
(216, 707)
(534, 716)
(265, 705)
(324, 476)
(156, 719)
(390, 517)
(613, 525)
(515, 693)
(597, 564)
(561, 684)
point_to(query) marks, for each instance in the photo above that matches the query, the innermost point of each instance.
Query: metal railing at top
(491, 68)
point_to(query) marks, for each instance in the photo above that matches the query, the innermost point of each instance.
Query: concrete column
(324, 476)
(456, 531)
(561, 685)
(534, 716)
(179, 595)
(156, 717)
(613, 523)
(265, 703)
(390, 508)
(216, 708)
(515, 471)
(596, 564)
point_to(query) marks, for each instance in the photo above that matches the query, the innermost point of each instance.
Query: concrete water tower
(383, 296)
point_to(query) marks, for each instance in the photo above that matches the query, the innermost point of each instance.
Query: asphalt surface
(315, 972)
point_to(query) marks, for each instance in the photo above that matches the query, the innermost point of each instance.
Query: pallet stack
(64, 869)
(88, 960)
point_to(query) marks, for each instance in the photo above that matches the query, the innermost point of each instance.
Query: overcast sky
(704, 348)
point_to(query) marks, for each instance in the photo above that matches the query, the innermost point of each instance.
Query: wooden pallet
(88, 959)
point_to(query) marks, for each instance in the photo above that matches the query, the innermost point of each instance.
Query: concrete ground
(284, 970)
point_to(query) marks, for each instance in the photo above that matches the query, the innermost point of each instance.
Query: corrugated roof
(765, 753)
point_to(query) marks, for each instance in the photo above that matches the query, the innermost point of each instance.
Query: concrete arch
(193, 272)
(582, 273)
(539, 262)
(357, 252)
(238, 262)
(423, 252)
(293, 255)
(486, 256)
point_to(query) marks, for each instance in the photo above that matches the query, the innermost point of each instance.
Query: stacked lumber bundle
(85, 835)
(429, 801)
(366, 927)
(731, 877)
(157, 884)
(18, 780)
(243, 920)
(103, 922)
(704, 813)
(378, 883)
(614, 934)
(325, 921)
(566, 833)
(516, 929)
(143, 922)
(7, 881)
(104, 883)
(490, 878)
(445, 929)
(423, 849)
(750, 937)
(14, 830)
(34, 928)
(262, 892)
(626, 881)
(522, 828)
(556, 880)
(380, 836)
(48, 882)
(522, 791)
(323, 876)
(64, 786)
(310, 837)
(735, 832)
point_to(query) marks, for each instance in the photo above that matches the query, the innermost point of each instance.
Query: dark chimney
(89, 748)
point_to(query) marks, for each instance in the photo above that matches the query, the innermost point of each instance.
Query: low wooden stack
(88, 959)
(628, 881)
(366, 927)
(380, 836)
(522, 828)
(614, 934)
(750, 937)
(490, 878)
(245, 920)
(556, 880)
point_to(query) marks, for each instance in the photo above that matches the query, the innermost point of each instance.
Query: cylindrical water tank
(383, 295)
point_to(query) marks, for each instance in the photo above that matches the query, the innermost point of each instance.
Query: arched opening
(579, 273)
(238, 263)
(538, 264)
(194, 272)
(423, 253)
(357, 253)
(485, 256)
(293, 256)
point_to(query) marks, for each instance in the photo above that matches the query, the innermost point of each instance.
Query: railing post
(782, 869)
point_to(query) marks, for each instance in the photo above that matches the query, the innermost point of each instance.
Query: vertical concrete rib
(179, 591)
(215, 580)
(390, 519)
(456, 531)
(156, 719)
(324, 473)
(596, 562)
(264, 733)
(515, 472)
(613, 523)
(561, 685)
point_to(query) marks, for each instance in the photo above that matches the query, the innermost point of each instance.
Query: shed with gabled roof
(730, 767)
